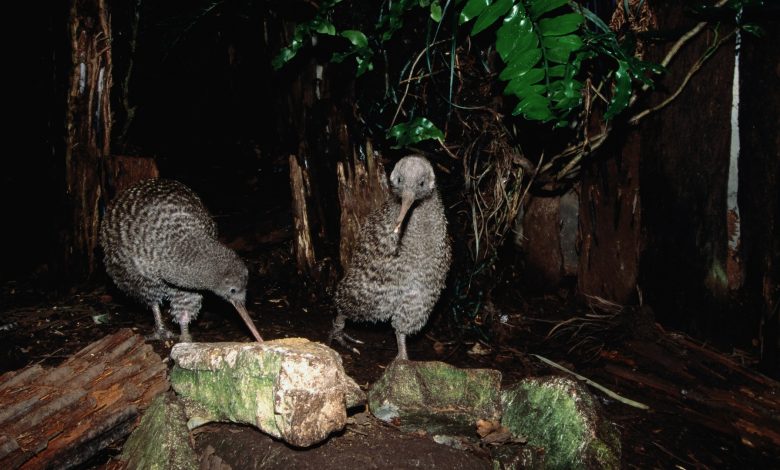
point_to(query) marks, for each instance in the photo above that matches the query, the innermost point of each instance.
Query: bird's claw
(342, 339)
(161, 335)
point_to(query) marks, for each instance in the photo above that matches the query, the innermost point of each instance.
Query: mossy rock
(563, 417)
(436, 397)
(161, 441)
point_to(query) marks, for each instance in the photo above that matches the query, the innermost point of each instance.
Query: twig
(695, 68)
(409, 80)
(593, 384)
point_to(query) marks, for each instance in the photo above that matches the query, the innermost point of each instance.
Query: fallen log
(60, 417)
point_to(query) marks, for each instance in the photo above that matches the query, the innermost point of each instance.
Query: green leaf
(490, 15)
(559, 48)
(338, 57)
(357, 38)
(472, 9)
(520, 63)
(516, 34)
(753, 29)
(364, 65)
(621, 92)
(322, 27)
(436, 12)
(414, 131)
(540, 7)
(284, 56)
(560, 25)
(534, 107)
(519, 85)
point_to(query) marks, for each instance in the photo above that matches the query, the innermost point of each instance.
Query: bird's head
(231, 283)
(231, 286)
(412, 179)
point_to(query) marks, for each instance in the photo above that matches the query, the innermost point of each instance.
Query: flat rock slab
(293, 389)
(561, 416)
(436, 397)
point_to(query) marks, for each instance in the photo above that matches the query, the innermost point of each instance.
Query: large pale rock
(561, 416)
(162, 440)
(436, 397)
(293, 389)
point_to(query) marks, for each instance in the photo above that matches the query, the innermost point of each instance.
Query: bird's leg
(185, 332)
(183, 318)
(400, 338)
(160, 332)
(184, 308)
(337, 334)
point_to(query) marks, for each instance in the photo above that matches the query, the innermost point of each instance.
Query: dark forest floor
(692, 391)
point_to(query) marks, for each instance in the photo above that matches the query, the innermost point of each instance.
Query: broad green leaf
(490, 15)
(520, 84)
(516, 35)
(567, 103)
(356, 37)
(436, 12)
(560, 25)
(364, 65)
(322, 27)
(559, 48)
(521, 63)
(414, 131)
(472, 9)
(534, 107)
(557, 71)
(284, 56)
(621, 92)
(537, 8)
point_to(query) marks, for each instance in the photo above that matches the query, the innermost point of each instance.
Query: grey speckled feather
(160, 244)
(401, 260)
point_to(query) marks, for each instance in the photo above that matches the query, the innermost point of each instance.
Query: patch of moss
(242, 393)
(561, 417)
(161, 441)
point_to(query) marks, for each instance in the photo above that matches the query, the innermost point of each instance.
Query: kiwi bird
(160, 245)
(400, 263)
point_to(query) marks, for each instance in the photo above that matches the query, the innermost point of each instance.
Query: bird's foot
(161, 334)
(342, 339)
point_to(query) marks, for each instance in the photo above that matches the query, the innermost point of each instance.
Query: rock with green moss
(162, 440)
(561, 416)
(293, 389)
(436, 397)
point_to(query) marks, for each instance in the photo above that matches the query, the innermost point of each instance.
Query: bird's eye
(232, 290)
(398, 180)
(422, 183)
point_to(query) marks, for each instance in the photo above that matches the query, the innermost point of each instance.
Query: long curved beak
(407, 199)
(242, 312)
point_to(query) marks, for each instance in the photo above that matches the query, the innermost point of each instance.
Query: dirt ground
(38, 325)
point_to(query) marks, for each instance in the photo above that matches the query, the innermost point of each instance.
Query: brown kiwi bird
(160, 245)
(400, 263)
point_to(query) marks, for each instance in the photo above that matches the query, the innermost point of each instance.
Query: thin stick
(593, 384)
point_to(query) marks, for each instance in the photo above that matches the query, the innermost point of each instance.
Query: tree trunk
(684, 176)
(759, 191)
(362, 188)
(610, 224)
(300, 182)
(124, 171)
(88, 129)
